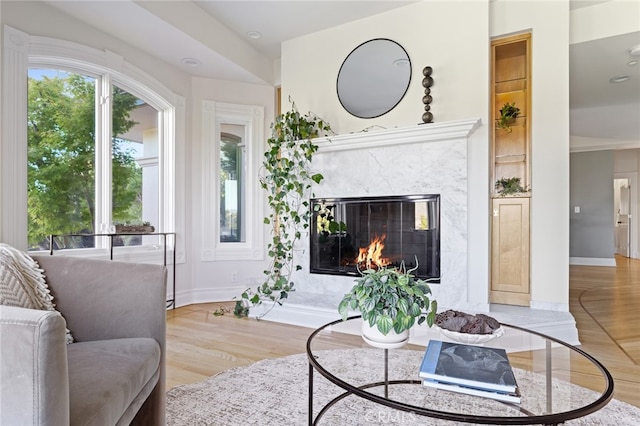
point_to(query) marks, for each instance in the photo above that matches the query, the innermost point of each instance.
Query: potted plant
(391, 301)
(508, 113)
(509, 186)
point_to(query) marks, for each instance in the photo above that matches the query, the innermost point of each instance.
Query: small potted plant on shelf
(508, 113)
(509, 186)
(391, 301)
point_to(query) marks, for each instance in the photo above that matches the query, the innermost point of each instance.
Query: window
(233, 212)
(90, 142)
(62, 147)
(231, 183)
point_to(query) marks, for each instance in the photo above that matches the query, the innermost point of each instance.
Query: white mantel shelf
(421, 133)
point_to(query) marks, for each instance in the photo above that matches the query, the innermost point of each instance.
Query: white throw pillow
(22, 282)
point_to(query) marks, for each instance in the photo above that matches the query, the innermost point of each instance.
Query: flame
(371, 256)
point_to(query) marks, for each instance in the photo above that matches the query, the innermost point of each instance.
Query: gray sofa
(114, 373)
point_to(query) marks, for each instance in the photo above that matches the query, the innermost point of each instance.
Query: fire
(372, 256)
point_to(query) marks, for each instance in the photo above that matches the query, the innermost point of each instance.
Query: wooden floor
(605, 302)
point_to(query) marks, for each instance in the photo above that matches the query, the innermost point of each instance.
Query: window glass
(61, 155)
(62, 172)
(134, 167)
(231, 183)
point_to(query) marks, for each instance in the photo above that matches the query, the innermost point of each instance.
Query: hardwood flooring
(605, 302)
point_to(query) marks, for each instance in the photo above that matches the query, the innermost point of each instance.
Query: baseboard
(549, 306)
(592, 261)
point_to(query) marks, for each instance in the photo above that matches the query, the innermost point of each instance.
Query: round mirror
(374, 78)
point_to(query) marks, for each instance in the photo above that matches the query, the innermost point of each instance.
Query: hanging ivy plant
(287, 178)
(508, 113)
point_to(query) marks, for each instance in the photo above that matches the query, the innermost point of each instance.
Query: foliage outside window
(231, 184)
(62, 168)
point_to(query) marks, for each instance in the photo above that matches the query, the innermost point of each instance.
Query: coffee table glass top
(557, 381)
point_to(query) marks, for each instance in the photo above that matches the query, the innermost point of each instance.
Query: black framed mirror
(374, 78)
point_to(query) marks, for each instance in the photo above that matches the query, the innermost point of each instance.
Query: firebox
(351, 234)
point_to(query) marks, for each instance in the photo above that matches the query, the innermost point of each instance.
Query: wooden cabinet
(510, 158)
(510, 251)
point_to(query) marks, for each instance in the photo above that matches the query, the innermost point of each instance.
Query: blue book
(468, 365)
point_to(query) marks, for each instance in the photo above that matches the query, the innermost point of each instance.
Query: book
(468, 365)
(513, 397)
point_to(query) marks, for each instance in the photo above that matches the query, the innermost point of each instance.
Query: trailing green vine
(287, 178)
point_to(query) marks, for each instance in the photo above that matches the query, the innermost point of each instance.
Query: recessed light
(401, 63)
(632, 63)
(192, 62)
(635, 50)
(255, 35)
(619, 79)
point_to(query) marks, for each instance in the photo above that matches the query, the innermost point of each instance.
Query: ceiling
(215, 34)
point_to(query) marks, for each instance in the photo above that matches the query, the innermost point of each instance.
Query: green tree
(61, 157)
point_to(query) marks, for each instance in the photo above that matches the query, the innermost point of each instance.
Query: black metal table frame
(171, 303)
(547, 419)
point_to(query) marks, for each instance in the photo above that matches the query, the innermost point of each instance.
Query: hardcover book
(468, 365)
(500, 396)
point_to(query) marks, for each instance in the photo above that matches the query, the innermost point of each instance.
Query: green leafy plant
(508, 113)
(287, 178)
(509, 186)
(391, 299)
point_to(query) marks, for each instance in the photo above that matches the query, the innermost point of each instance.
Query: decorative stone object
(427, 82)
(466, 323)
(134, 229)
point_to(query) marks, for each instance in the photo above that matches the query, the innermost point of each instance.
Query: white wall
(549, 22)
(434, 33)
(456, 45)
(602, 20)
(219, 280)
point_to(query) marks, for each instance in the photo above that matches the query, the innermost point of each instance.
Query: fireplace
(348, 234)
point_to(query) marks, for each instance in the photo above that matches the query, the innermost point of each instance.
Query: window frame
(252, 118)
(22, 51)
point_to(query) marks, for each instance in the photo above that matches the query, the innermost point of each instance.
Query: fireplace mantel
(431, 132)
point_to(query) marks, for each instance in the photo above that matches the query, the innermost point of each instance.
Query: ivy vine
(287, 178)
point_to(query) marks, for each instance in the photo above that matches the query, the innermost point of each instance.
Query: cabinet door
(510, 251)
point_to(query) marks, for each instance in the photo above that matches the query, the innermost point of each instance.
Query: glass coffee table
(366, 385)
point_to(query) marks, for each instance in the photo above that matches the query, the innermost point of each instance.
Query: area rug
(275, 391)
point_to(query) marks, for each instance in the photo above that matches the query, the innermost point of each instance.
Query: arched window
(91, 142)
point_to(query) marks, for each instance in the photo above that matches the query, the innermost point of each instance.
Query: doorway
(621, 195)
(625, 216)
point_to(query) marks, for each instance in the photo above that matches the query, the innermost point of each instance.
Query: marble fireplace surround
(422, 159)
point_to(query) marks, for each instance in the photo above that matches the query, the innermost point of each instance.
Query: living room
(434, 33)
(461, 95)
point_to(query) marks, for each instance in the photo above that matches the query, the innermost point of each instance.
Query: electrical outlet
(234, 277)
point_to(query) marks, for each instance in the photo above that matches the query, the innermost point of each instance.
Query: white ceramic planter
(375, 338)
